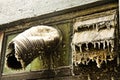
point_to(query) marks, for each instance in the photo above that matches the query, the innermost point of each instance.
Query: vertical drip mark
(112, 45)
(98, 45)
(103, 44)
(96, 25)
(108, 45)
(105, 57)
(87, 61)
(97, 61)
(112, 49)
(80, 46)
(94, 45)
(86, 46)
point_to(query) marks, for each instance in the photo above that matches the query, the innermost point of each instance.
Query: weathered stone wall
(109, 71)
(12, 10)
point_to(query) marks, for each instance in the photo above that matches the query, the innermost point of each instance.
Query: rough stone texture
(12, 10)
(82, 72)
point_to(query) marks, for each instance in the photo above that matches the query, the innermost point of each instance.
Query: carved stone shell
(30, 44)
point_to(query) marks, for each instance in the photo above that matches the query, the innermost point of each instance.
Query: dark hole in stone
(85, 28)
(108, 57)
(90, 46)
(101, 45)
(12, 60)
(77, 48)
(79, 29)
(90, 64)
(106, 45)
(84, 47)
(96, 46)
(13, 63)
(109, 46)
(82, 29)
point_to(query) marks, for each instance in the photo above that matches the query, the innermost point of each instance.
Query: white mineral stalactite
(103, 44)
(97, 27)
(80, 46)
(107, 44)
(79, 61)
(94, 45)
(112, 45)
(102, 49)
(87, 46)
(98, 63)
(112, 49)
(87, 61)
(98, 45)
(105, 57)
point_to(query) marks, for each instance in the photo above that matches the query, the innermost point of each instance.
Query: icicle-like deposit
(112, 45)
(99, 55)
(86, 46)
(94, 45)
(97, 27)
(108, 44)
(80, 46)
(102, 49)
(98, 38)
(98, 45)
(104, 45)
